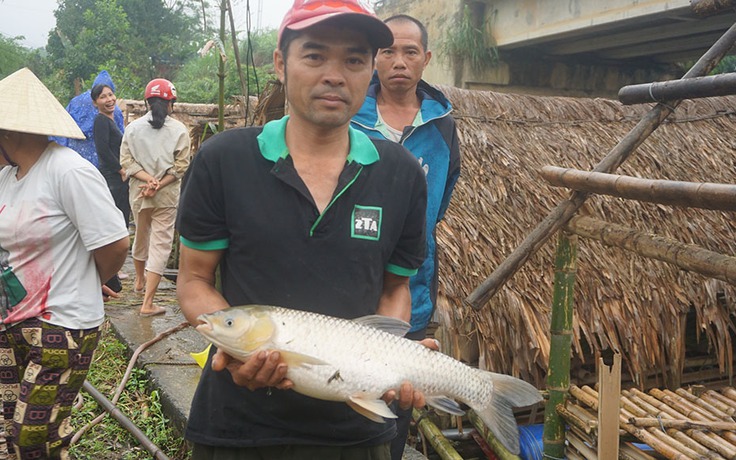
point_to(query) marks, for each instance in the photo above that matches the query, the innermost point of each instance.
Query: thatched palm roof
(622, 301)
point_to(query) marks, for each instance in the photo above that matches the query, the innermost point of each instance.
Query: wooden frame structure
(562, 220)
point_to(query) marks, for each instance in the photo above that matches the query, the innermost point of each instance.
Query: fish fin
(293, 359)
(445, 404)
(388, 324)
(201, 357)
(497, 414)
(373, 409)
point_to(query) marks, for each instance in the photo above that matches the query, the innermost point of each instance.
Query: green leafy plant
(468, 42)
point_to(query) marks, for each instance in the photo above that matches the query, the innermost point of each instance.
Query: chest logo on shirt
(366, 222)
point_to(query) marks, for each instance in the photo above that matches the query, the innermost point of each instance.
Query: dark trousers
(291, 452)
(119, 192)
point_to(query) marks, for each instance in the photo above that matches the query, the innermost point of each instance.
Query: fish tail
(498, 415)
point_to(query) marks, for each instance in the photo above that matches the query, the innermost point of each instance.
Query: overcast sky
(34, 18)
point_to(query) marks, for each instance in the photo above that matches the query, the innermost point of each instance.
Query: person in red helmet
(155, 154)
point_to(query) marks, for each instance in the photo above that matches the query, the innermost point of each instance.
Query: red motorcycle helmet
(162, 88)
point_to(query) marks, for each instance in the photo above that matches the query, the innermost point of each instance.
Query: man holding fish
(309, 214)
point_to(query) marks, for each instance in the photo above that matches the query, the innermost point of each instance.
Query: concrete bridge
(574, 47)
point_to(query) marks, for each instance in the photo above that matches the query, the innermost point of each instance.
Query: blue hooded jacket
(83, 111)
(434, 143)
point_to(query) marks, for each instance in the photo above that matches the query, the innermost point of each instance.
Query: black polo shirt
(243, 194)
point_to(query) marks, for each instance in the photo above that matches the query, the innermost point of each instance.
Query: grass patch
(107, 439)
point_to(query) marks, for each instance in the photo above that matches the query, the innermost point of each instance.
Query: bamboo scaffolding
(666, 445)
(700, 413)
(686, 256)
(558, 374)
(663, 412)
(692, 88)
(619, 154)
(637, 406)
(703, 195)
(658, 420)
(707, 439)
(667, 449)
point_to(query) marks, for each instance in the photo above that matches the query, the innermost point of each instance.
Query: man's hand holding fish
(262, 369)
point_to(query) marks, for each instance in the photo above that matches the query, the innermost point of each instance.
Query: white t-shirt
(50, 222)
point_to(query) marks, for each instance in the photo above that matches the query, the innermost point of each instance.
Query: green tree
(135, 40)
(197, 81)
(13, 56)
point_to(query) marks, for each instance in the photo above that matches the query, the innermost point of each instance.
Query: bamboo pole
(619, 154)
(729, 403)
(637, 403)
(702, 402)
(236, 50)
(573, 455)
(629, 452)
(681, 405)
(499, 449)
(724, 446)
(584, 397)
(659, 440)
(730, 393)
(699, 442)
(431, 433)
(580, 446)
(221, 70)
(682, 424)
(686, 256)
(693, 88)
(586, 425)
(558, 373)
(124, 421)
(704, 195)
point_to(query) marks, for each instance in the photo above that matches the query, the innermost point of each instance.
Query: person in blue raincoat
(83, 111)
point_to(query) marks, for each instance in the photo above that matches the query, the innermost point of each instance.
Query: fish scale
(358, 360)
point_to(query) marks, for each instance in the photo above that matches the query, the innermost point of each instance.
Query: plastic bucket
(531, 443)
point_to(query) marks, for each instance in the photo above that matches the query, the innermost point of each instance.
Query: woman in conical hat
(60, 234)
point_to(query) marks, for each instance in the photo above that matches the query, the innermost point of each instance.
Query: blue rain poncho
(83, 110)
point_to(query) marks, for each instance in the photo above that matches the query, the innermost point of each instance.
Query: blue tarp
(84, 112)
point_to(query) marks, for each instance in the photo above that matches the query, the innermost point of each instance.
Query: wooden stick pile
(678, 424)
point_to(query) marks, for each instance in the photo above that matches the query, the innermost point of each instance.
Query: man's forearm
(395, 300)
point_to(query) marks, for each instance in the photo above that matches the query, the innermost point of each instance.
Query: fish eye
(229, 322)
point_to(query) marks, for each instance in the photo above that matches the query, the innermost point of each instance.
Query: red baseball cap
(357, 13)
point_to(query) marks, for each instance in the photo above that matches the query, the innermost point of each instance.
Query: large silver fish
(358, 360)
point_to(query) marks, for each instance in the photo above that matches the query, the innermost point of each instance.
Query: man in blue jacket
(402, 107)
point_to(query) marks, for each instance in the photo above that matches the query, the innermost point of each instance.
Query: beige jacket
(158, 152)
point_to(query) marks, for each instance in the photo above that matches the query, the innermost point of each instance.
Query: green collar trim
(272, 142)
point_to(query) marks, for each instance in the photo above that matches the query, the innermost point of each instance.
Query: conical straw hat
(27, 106)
